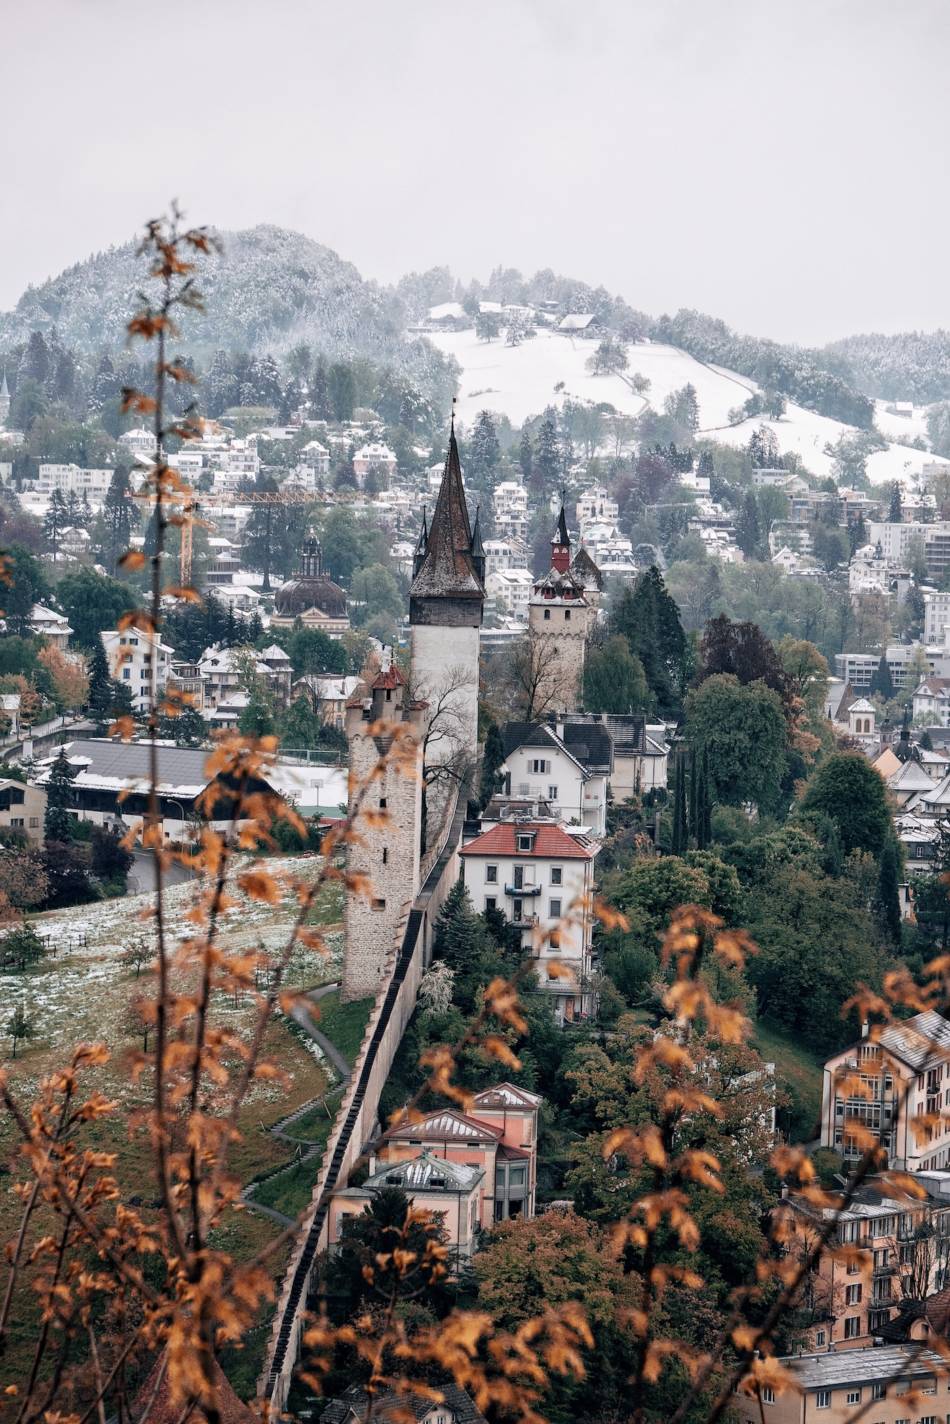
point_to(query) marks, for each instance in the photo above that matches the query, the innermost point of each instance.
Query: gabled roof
(515, 735)
(549, 843)
(388, 678)
(447, 569)
(910, 777)
(584, 569)
(507, 1095)
(353, 1404)
(920, 1041)
(425, 1173)
(443, 1126)
(590, 743)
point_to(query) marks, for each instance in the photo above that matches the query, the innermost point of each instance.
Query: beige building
(867, 1082)
(872, 1385)
(23, 809)
(560, 621)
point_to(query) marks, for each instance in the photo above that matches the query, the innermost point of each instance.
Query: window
(34, 822)
(768, 1395)
(852, 1327)
(554, 940)
(819, 1337)
(490, 902)
(852, 1295)
(878, 1391)
(854, 1396)
(567, 615)
(379, 904)
(491, 874)
(823, 1399)
(556, 875)
(127, 674)
(383, 802)
(539, 767)
(554, 909)
(16, 821)
(385, 855)
(552, 793)
(524, 843)
(547, 615)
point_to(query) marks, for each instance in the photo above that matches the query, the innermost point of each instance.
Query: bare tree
(529, 678)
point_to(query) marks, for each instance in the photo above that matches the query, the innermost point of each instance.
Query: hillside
(908, 366)
(519, 381)
(269, 290)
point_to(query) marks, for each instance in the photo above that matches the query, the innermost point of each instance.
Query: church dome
(310, 587)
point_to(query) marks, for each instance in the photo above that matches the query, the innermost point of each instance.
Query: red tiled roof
(517, 1154)
(550, 842)
(392, 677)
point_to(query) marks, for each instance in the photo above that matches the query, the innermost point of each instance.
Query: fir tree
(895, 513)
(484, 454)
(116, 520)
(748, 527)
(55, 520)
(57, 823)
(882, 684)
(888, 890)
(320, 407)
(100, 698)
(546, 467)
(648, 618)
(493, 757)
(525, 455)
(679, 841)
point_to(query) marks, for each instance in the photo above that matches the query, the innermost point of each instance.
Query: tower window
(385, 855)
(382, 803)
(547, 614)
(379, 904)
(567, 615)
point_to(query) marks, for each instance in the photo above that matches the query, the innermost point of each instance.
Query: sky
(781, 165)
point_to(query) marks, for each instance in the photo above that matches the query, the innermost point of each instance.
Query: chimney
(864, 1028)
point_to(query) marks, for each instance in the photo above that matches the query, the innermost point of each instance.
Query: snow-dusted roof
(506, 1095)
(426, 1173)
(441, 1127)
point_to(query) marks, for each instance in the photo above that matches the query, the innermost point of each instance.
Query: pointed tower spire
(422, 544)
(561, 543)
(446, 586)
(478, 548)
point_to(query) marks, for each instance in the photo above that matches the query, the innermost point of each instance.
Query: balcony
(522, 891)
(882, 1272)
(523, 921)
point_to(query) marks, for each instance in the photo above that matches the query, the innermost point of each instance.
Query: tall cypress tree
(694, 808)
(888, 890)
(679, 840)
(705, 839)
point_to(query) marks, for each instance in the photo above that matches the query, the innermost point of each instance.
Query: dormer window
(525, 841)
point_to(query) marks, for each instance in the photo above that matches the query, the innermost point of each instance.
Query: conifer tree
(56, 825)
(895, 513)
(493, 756)
(55, 521)
(679, 840)
(888, 890)
(19, 1026)
(116, 520)
(748, 527)
(525, 455)
(484, 454)
(100, 698)
(546, 467)
(881, 682)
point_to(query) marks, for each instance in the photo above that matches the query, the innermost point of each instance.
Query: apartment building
(884, 1085)
(867, 1384)
(542, 879)
(139, 660)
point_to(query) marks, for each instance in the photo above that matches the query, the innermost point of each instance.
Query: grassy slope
(343, 1024)
(798, 1073)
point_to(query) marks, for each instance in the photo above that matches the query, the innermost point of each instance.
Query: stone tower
(388, 855)
(4, 399)
(560, 621)
(445, 614)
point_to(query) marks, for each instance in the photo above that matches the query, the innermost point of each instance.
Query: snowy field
(519, 381)
(83, 993)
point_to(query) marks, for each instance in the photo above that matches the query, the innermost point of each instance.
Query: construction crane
(270, 499)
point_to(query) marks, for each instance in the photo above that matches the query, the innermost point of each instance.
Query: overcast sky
(782, 165)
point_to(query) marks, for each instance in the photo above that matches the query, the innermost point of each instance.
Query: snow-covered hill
(520, 381)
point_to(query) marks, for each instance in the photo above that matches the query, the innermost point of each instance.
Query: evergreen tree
(34, 363)
(648, 618)
(300, 725)
(117, 520)
(55, 520)
(493, 757)
(341, 385)
(882, 684)
(122, 702)
(546, 466)
(695, 812)
(257, 716)
(895, 513)
(320, 406)
(704, 818)
(888, 890)
(484, 454)
(58, 822)
(100, 697)
(748, 527)
(679, 841)
(525, 455)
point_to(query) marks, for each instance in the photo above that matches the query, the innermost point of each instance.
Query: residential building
(23, 809)
(328, 693)
(497, 1137)
(224, 564)
(449, 1192)
(47, 623)
(596, 503)
(138, 442)
(316, 457)
(836, 1388)
(936, 617)
(510, 589)
(567, 765)
(72, 479)
(353, 1405)
(223, 673)
(510, 510)
(931, 702)
(112, 786)
(902, 659)
(141, 661)
(900, 542)
(579, 324)
(505, 554)
(883, 1085)
(376, 457)
(902, 1251)
(542, 879)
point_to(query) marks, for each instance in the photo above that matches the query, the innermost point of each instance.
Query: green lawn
(343, 1024)
(798, 1075)
(315, 1125)
(290, 1191)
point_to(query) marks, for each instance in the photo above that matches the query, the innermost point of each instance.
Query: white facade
(511, 590)
(595, 504)
(374, 456)
(936, 617)
(445, 674)
(510, 510)
(542, 880)
(52, 626)
(72, 479)
(505, 554)
(550, 773)
(140, 661)
(138, 442)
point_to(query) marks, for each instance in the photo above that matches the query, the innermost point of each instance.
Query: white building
(511, 590)
(505, 554)
(139, 442)
(47, 623)
(566, 765)
(316, 457)
(374, 456)
(931, 704)
(72, 479)
(542, 880)
(141, 661)
(510, 510)
(936, 617)
(596, 504)
(859, 668)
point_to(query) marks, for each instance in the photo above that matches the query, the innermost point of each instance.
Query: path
(302, 1018)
